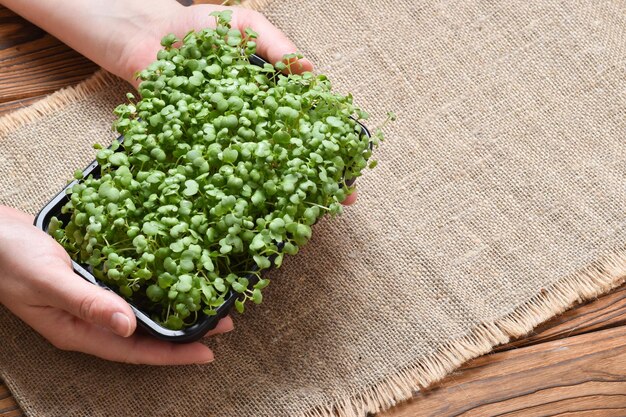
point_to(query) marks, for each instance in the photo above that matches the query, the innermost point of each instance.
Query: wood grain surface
(33, 63)
(8, 406)
(582, 373)
(574, 365)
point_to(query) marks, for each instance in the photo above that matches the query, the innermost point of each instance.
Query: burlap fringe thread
(598, 278)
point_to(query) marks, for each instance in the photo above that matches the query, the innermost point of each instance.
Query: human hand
(124, 36)
(38, 285)
(141, 49)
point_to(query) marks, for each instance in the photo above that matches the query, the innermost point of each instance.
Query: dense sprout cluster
(224, 167)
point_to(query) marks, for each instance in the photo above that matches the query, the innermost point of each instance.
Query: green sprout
(224, 168)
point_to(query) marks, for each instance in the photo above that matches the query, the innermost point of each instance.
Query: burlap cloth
(499, 200)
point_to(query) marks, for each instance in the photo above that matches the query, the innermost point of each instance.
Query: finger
(223, 326)
(350, 199)
(67, 291)
(6, 211)
(272, 43)
(67, 332)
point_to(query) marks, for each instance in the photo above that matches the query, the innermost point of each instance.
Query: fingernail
(120, 323)
(211, 359)
(230, 326)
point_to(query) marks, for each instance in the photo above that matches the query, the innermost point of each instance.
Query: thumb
(90, 303)
(272, 43)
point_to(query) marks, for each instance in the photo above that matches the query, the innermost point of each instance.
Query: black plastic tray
(204, 322)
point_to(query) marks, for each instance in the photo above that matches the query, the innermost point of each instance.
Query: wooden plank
(578, 375)
(10, 106)
(8, 406)
(33, 63)
(605, 312)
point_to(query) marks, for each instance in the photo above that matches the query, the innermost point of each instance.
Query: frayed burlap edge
(55, 101)
(589, 283)
(592, 281)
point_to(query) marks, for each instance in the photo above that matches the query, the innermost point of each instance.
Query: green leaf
(213, 70)
(118, 158)
(196, 79)
(262, 261)
(311, 214)
(277, 225)
(237, 287)
(219, 284)
(54, 225)
(229, 155)
(258, 197)
(334, 121)
(206, 289)
(184, 283)
(150, 228)
(225, 247)
(165, 280)
(251, 33)
(262, 283)
(257, 297)
(177, 246)
(303, 231)
(155, 293)
(143, 273)
(207, 264)
(191, 188)
(258, 242)
(187, 265)
(174, 323)
(169, 40)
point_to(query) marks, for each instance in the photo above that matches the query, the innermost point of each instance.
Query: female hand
(141, 49)
(38, 285)
(124, 36)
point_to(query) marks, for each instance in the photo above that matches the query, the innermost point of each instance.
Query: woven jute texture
(499, 200)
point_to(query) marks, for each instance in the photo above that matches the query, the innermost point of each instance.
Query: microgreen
(224, 167)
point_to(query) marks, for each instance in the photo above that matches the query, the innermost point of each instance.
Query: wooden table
(574, 365)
